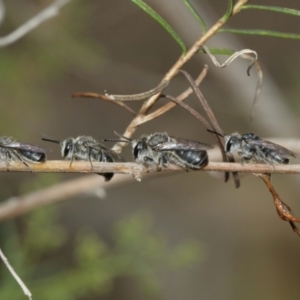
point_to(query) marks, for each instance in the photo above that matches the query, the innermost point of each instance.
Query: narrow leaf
(228, 12)
(162, 22)
(218, 51)
(196, 15)
(283, 10)
(261, 32)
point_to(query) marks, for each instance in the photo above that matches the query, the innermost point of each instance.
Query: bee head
(233, 142)
(138, 146)
(67, 147)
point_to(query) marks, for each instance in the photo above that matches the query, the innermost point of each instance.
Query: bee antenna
(215, 132)
(49, 138)
(122, 136)
(116, 140)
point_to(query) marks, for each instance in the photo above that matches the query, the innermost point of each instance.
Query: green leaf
(261, 32)
(196, 15)
(228, 12)
(218, 51)
(283, 10)
(162, 22)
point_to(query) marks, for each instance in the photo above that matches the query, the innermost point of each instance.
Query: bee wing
(26, 146)
(182, 144)
(277, 148)
(100, 147)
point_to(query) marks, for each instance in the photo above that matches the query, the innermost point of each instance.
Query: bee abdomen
(193, 159)
(31, 156)
(274, 157)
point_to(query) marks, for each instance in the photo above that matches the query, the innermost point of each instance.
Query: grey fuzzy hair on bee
(13, 150)
(160, 149)
(251, 148)
(86, 148)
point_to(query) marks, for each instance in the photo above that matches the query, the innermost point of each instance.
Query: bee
(12, 150)
(251, 148)
(160, 149)
(88, 149)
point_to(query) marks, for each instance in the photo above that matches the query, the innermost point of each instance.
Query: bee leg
(71, 161)
(182, 165)
(269, 163)
(90, 159)
(147, 161)
(159, 164)
(7, 158)
(22, 160)
(246, 159)
(163, 161)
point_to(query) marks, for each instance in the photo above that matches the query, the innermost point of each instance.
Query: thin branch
(131, 128)
(48, 13)
(191, 110)
(140, 96)
(135, 169)
(283, 210)
(17, 206)
(170, 105)
(2, 12)
(102, 97)
(15, 275)
(213, 124)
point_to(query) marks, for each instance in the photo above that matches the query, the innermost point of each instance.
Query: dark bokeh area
(175, 236)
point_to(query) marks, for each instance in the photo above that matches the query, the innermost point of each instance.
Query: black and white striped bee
(88, 149)
(160, 149)
(12, 150)
(251, 148)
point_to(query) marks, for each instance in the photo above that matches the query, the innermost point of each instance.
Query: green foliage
(262, 33)
(219, 51)
(162, 22)
(229, 11)
(226, 16)
(196, 15)
(92, 266)
(283, 10)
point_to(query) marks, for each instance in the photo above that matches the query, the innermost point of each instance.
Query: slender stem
(49, 12)
(62, 166)
(131, 128)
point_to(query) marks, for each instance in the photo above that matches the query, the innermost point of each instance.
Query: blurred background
(172, 236)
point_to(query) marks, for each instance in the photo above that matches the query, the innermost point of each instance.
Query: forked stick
(283, 210)
(214, 125)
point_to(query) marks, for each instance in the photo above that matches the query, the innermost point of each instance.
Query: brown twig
(102, 97)
(140, 96)
(283, 210)
(214, 125)
(170, 105)
(132, 168)
(131, 128)
(190, 110)
(17, 206)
